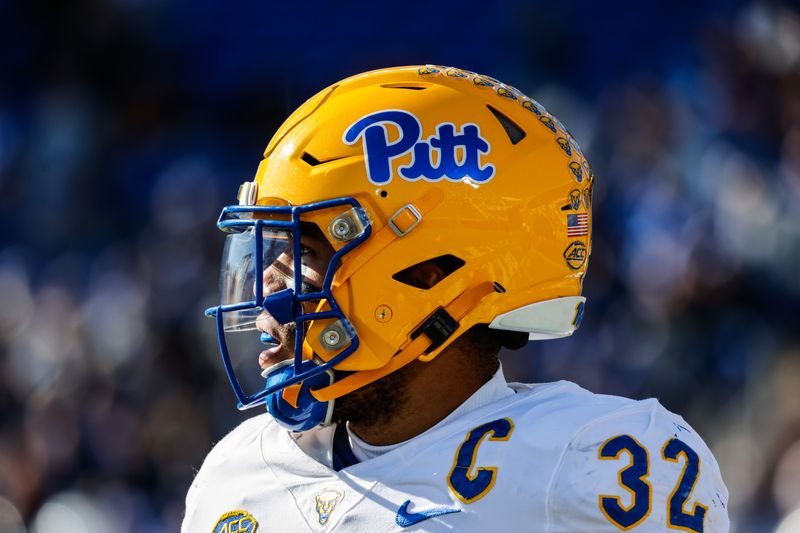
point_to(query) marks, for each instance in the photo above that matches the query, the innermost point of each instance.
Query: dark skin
(433, 390)
(403, 404)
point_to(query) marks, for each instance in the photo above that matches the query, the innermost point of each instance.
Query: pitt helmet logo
(326, 503)
(459, 151)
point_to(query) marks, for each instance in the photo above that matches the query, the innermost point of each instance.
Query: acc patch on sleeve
(236, 522)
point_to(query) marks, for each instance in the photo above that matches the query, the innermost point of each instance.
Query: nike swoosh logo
(405, 518)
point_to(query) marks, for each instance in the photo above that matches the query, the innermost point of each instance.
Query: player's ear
(428, 273)
(423, 275)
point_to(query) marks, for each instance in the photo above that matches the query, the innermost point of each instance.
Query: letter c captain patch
(468, 481)
(236, 522)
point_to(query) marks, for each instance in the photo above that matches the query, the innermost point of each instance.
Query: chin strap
(413, 349)
(297, 410)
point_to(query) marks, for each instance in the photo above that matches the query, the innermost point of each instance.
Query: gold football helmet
(397, 167)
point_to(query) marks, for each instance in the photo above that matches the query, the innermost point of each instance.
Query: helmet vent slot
(429, 273)
(313, 161)
(514, 132)
(408, 86)
(310, 159)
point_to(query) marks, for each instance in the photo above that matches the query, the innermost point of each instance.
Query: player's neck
(447, 382)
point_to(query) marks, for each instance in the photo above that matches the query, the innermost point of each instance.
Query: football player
(403, 226)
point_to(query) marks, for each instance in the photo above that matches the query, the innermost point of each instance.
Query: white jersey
(551, 458)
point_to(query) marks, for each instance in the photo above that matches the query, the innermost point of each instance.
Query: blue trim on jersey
(343, 455)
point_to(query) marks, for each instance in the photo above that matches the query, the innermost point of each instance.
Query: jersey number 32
(633, 478)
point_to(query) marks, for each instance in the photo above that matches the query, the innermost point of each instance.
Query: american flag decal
(577, 225)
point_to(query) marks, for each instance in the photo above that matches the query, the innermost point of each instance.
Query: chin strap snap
(455, 311)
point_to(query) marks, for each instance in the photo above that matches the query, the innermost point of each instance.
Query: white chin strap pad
(549, 319)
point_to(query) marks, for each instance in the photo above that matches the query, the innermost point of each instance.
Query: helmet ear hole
(427, 274)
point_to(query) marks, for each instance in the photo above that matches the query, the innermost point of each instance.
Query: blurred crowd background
(125, 125)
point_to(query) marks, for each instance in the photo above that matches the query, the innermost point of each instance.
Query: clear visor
(239, 276)
(244, 279)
